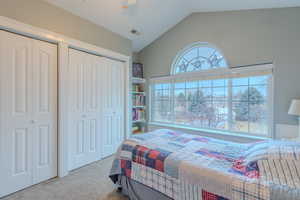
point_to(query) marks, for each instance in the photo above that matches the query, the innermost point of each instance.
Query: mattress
(190, 167)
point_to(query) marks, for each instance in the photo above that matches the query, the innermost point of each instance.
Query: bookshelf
(139, 123)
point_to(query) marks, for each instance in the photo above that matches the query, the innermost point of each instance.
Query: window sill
(208, 131)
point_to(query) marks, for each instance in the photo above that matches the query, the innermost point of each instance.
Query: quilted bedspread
(191, 167)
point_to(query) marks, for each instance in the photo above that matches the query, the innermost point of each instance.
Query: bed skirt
(138, 191)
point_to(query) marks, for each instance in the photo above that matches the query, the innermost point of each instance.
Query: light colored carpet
(87, 183)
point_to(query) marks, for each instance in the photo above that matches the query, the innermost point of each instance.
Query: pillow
(272, 149)
(247, 165)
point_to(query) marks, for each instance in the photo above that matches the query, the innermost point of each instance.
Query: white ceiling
(154, 17)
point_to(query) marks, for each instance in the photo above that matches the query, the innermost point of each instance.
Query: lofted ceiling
(152, 18)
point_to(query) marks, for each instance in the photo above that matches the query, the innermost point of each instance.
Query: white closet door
(44, 110)
(28, 132)
(16, 98)
(92, 108)
(119, 105)
(84, 109)
(113, 105)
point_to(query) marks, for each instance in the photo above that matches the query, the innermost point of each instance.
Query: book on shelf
(138, 114)
(139, 100)
(137, 88)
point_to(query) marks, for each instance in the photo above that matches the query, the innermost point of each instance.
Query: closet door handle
(32, 121)
(83, 116)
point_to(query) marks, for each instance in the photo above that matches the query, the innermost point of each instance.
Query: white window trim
(210, 131)
(255, 69)
(263, 68)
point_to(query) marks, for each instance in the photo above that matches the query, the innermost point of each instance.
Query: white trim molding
(223, 135)
(64, 43)
(63, 69)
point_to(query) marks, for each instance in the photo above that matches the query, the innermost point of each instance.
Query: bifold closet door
(85, 110)
(28, 120)
(113, 106)
(96, 118)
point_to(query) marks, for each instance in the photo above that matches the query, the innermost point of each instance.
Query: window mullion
(270, 101)
(152, 101)
(172, 96)
(248, 105)
(229, 104)
(185, 97)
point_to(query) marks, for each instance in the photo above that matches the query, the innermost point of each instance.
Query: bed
(166, 164)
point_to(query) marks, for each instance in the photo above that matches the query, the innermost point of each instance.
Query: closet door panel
(16, 133)
(85, 109)
(77, 120)
(45, 110)
(113, 105)
(28, 135)
(80, 138)
(107, 132)
(92, 133)
(92, 83)
(119, 103)
(97, 107)
(92, 107)
(76, 86)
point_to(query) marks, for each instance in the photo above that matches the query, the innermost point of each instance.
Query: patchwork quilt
(190, 167)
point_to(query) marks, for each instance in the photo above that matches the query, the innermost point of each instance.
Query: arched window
(198, 57)
(220, 99)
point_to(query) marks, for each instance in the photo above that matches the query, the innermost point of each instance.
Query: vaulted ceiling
(152, 18)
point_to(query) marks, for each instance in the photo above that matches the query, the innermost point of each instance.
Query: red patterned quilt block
(153, 154)
(126, 168)
(152, 158)
(139, 154)
(210, 196)
(159, 165)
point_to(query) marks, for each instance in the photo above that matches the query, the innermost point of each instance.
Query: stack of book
(138, 114)
(139, 100)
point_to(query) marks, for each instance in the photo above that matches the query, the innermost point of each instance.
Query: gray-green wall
(245, 37)
(44, 15)
(135, 57)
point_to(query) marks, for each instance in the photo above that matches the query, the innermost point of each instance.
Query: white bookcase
(139, 123)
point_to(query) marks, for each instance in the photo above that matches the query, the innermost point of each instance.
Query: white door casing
(29, 112)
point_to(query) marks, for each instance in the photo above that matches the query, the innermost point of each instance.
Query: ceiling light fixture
(135, 32)
(128, 3)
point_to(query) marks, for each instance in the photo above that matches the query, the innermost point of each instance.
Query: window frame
(221, 71)
(190, 47)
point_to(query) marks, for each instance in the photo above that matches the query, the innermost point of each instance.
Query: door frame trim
(64, 43)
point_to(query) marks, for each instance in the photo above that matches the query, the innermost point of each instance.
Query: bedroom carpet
(88, 183)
